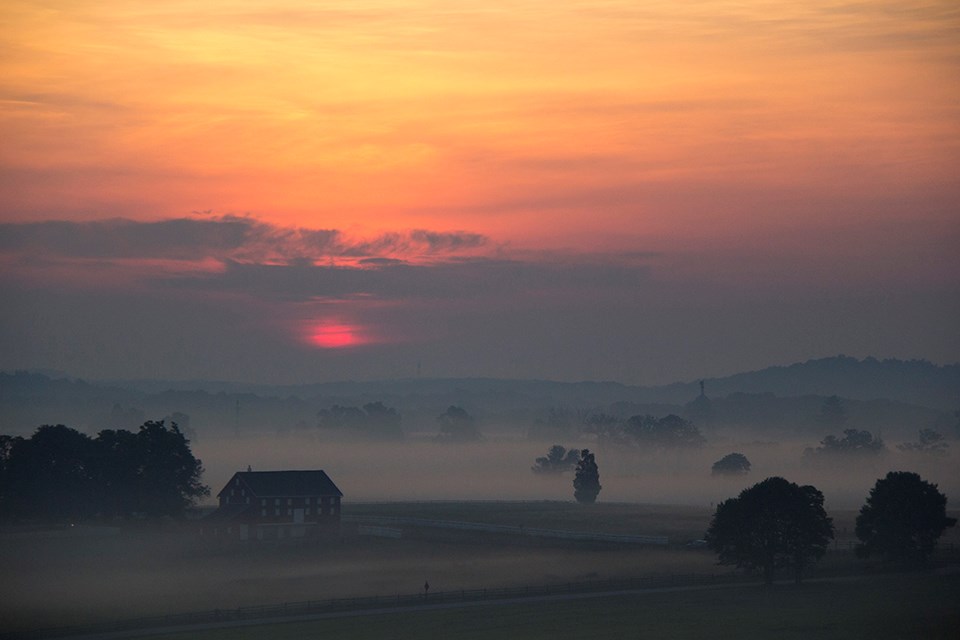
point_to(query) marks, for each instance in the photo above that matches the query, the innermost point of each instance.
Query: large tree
(169, 474)
(732, 464)
(930, 442)
(853, 442)
(48, 476)
(773, 524)
(669, 432)
(557, 460)
(456, 425)
(903, 518)
(61, 474)
(586, 482)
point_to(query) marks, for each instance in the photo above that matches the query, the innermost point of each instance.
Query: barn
(275, 505)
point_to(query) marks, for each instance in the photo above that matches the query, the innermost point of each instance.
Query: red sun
(329, 335)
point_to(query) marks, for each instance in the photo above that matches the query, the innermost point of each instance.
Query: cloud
(227, 238)
(548, 277)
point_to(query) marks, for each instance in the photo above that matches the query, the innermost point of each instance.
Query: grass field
(888, 607)
(85, 575)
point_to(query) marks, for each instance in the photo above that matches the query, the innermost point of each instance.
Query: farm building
(275, 505)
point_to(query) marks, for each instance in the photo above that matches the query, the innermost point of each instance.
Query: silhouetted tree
(732, 464)
(557, 460)
(668, 432)
(456, 425)
(116, 472)
(586, 482)
(832, 413)
(608, 428)
(902, 519)
(374, 420)
(773, 524)
(7, 445)
(339, 417)
(59, 473)
(853, 442)
(48, 475)
(559, 422)
(383, 421)
(930, 443)
(169, 474)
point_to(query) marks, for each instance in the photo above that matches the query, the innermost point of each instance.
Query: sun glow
(335, 335)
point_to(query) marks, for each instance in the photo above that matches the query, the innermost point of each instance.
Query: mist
(499, 468)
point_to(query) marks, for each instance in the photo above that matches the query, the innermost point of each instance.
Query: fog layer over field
(499, 468)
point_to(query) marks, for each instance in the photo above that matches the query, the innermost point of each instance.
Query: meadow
(880, 608)
(79, 575)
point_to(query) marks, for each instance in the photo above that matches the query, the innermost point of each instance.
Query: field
(878, 608)
(85, 575)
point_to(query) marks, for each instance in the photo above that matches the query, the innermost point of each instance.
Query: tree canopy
(456, 425)
(902, 519)
(61, 474)
(668, 432)
(732, 464)
(557, 460)
(855, 442)
(929, 442)
(586, 482)
(771, 525)
(375, 420)
(833, 413)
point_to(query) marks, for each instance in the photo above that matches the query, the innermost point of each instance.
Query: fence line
(508, 529)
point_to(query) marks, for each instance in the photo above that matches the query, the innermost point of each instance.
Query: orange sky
(428, 114)
(743, 143)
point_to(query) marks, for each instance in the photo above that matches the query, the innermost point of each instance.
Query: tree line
(60, 474)
(777, 524)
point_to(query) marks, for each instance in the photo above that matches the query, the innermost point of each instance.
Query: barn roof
(269, 484)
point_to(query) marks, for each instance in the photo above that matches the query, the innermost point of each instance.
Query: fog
(499, 468)
(93, 573)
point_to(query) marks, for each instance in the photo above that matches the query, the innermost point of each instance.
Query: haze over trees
(375, 420)
(833, 414)
(855, 442)
(557, 460)
(732, 464)
(456, 425)
(60, 474)
(773, 524)
(902, 519)
(929, 442)
(668, 432)
(786, 401)
(586, 482)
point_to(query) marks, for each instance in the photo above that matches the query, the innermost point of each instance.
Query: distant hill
(916, 382)
(892, 394)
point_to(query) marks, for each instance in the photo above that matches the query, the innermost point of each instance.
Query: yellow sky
(530, 121)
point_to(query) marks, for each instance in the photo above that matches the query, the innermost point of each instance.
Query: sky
(640, 191)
